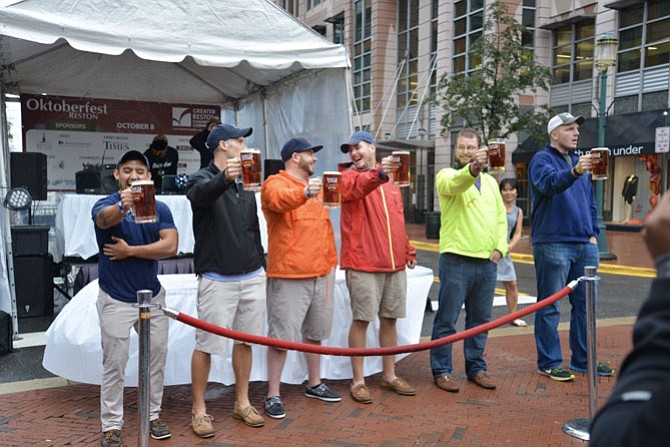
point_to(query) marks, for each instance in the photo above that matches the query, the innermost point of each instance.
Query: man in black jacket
(199, 142)
(230, 264)
(636, 412)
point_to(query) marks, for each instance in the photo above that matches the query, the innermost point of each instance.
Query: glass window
(584, 30)
(584, 50)
(657, 54)
(561, 74)
(655, 100)
(476, 4)
(658, 9)
(631, 16)
(630, 60)
(583, 70)
(583, 109)
(658, 31)
(573, 52)
(467, 29)
(644, 43)
(362, 54)
(630, 38)
(625, 104)
(460, 8)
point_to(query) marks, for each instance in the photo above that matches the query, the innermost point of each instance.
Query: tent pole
(266, 142)
(6, 226)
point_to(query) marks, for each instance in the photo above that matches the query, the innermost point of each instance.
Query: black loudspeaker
(96, 180)
(30, 240)
(272, 167)
(29, 170)
(33, 278)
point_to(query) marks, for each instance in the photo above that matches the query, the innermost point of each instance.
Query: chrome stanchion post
(143, 385)
(579, 428)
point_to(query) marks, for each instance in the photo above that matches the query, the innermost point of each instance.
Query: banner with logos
(80, 133)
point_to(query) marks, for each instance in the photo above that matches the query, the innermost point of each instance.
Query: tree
(486, 98)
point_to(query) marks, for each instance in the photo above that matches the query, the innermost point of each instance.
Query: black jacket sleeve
(636, 412)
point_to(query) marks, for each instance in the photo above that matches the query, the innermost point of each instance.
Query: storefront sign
(76, 133)
(627, 150)
(662, 139)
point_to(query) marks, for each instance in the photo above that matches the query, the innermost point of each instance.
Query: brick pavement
(525, 410)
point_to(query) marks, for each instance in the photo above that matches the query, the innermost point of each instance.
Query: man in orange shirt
(301, 268)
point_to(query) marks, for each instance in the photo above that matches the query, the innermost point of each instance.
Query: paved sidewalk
(525, 410)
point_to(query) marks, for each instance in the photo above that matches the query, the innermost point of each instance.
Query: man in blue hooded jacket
(564, 231)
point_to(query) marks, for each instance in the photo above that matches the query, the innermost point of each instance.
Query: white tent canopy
(250, 56)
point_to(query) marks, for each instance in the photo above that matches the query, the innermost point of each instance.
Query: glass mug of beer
(401, 168)
(496, 149)
(250, 159)
(144, 201)
(599, 163)
(332, 189)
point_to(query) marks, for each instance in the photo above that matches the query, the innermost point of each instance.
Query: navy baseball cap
(356, 138)
(226, 132)
(132, 155)
(297, 144)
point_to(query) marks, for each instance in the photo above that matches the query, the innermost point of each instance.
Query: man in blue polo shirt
(564, 231)
(128, 262)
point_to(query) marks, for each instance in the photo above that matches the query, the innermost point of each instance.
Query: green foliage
(486, 98)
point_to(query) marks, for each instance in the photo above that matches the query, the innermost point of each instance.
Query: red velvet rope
(366, 352)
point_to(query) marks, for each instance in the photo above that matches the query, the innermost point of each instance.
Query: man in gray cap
(230, 264)
(564, 231)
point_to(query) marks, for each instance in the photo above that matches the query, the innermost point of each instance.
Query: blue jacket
(563, 207)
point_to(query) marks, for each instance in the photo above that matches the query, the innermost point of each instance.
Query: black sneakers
(159, 430)
(322, 392)
(274, 407)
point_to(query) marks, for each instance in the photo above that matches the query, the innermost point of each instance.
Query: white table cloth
(75, 235)
(73, 340)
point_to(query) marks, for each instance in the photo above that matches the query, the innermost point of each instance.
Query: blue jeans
(556, 264)
(463, 280)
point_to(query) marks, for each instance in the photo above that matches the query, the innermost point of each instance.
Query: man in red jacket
(375, 250)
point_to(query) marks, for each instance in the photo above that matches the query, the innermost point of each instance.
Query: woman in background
(506, 273)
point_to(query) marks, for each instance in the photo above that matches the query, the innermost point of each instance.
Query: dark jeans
(556, 264)
(468, 281)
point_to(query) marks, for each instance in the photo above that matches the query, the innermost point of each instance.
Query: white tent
(249, 56)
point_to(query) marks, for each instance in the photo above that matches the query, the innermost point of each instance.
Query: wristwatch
(121, 207)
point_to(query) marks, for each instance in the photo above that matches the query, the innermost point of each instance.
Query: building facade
(399, 49)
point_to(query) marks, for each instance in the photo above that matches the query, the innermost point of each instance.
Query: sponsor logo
(181, 117)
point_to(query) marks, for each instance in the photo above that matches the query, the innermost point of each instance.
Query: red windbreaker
(372, 223)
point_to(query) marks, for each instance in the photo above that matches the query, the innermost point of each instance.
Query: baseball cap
(356, 138)
(132, 155)
(226, 132)
(297, 144)
(562, 119)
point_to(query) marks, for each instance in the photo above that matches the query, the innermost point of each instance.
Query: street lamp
(605, 57)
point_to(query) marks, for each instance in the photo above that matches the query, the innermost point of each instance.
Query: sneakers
(322, 392)
(202, 426)
(361, 394)
(398, 386)
(602, 369)
(248, 415)
(557, 373)
(111, 438)
(159, 430)
(446, 383)
(274, 407)
(483, 380)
